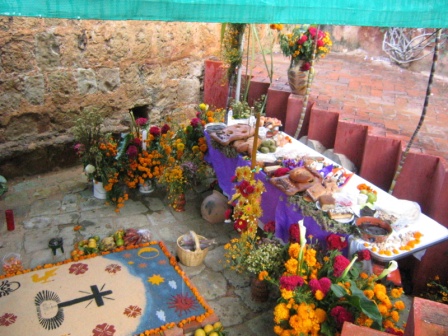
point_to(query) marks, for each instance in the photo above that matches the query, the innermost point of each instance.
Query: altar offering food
(327, 202)
(373, 229)
(301, 175)
(340, 213)
(268, 146)
(316, 191)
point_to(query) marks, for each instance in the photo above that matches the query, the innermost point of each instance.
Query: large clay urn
(214, 207)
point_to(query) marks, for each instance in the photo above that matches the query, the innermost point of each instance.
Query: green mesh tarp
(381, 13)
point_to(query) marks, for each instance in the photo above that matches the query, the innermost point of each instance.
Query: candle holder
(56, 243)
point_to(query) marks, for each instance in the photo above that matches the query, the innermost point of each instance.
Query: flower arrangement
(267, 255)
(146, 155)
(436, 291)
(247, 209)
(208, 115)
(321, 289)
(300, 43)
(231, 46)
(101, 156)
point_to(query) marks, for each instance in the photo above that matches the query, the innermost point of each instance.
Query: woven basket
(191, 258)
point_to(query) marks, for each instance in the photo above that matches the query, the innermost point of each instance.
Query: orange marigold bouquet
(322, 289)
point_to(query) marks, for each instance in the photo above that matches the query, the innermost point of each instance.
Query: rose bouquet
(321, 289)
(299, 44)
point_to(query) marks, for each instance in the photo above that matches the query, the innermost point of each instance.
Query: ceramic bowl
(373, 230)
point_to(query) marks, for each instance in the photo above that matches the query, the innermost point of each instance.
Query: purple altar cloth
(274, 202)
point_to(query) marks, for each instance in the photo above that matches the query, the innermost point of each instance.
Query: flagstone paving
(69, 201)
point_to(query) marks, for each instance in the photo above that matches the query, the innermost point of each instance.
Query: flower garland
(247, 209)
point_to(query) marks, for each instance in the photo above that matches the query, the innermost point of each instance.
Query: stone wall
(51, 69)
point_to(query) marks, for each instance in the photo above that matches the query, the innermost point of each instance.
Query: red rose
(306, 66)
(312, 31)
(302, 40)
(336, 242)
(320, 43)
(195, 122)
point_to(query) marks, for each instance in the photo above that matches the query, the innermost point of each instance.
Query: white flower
(393, 265)
(90, 169)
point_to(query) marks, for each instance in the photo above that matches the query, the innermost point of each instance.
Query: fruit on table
(200, 332)
(268, 146)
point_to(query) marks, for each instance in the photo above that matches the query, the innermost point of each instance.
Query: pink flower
(363, 255)
(79, 148)
(325, 285)
(294, 233)
(312, 31)
(141, 121)
(340, 264)
(314, 285)
(341, 315)
(291, 282)
(154, 130)
(320, 43)
(336, 242)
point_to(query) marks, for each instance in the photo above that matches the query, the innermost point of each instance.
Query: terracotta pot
(298, 79)
(178, 203)
(259, 290)
(214, 207)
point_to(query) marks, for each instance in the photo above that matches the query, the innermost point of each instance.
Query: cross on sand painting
(121, 293)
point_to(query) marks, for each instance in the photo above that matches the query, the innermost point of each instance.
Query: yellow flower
(294, 250)
(319, 295)
(286, 294)
(321, 315)
(291, 266)
(281, 313)
(369, 293)
(395, 315)
(396, 292)
(399, 305)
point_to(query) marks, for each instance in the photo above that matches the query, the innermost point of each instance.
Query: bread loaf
(327, 202)
(301, 175)
(315, 191)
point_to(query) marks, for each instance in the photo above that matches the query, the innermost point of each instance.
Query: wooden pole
(423, 115)
(254, 149)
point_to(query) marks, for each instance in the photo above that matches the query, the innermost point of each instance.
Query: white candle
(144, 136)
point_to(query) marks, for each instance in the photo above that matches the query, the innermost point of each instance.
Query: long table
(276, 207)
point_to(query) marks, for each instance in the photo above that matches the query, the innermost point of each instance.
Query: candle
(144, 136)
(9, 220)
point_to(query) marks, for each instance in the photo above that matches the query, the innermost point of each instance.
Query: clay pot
(214, 207)
(259, 290)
